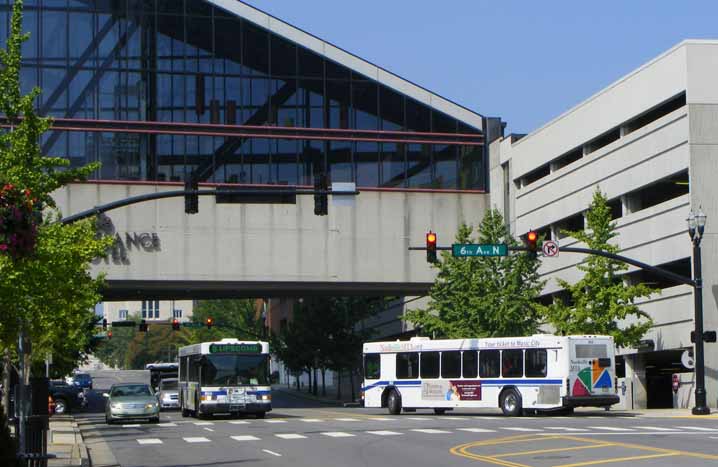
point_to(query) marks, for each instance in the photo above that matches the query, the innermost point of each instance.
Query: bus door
(592, 371)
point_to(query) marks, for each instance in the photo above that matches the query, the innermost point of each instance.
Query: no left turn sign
(550, 248)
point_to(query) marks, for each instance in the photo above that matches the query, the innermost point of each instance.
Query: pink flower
(3, 247)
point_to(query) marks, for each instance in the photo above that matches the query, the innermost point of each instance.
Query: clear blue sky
(525, 61)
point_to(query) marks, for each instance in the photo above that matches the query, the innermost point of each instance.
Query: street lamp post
(696, 226)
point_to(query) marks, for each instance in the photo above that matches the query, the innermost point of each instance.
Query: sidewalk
(328, 400)
(65, 441)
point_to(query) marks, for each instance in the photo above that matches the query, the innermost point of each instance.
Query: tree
(46, 290)
(482, 296)
(600, 303)
(237, 319)
(159, 344)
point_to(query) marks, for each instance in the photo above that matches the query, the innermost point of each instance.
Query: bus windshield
(235, 370)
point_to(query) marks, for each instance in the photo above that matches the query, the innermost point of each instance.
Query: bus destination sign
(235, 348)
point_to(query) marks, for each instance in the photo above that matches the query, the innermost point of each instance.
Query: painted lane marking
(198, 439)
(655, 428)
(423, 419)
(337, 434)
(610, 428)
(431, 431)
(239, 422)
(383, 419)
(134, 425)
(697, 428)
(149, 441)
(245, 438)
(477, 430)
(290, 436)
(384, 433)
(456, 417)
(203, 423)
(276, 421)
(565, 428)
(519, 429)
(271, 452)
(310, 420)
(346, 419)
(165, 425)
(209, 429)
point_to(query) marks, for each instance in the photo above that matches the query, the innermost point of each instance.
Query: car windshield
(235, 370)
(131, 390)
(169, 385)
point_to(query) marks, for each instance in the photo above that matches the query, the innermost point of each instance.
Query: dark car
(82, 380)
(67, 397)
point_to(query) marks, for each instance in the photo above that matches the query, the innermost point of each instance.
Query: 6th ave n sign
(550, 248)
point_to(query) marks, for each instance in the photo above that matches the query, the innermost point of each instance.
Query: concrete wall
(255, 245)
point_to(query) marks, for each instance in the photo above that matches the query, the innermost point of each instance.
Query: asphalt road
(300, 433)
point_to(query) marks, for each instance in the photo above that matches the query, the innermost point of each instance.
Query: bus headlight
(266, 397)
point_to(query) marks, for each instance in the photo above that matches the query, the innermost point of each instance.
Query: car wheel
(393, 403)
(511, 403)
(60, 406)
(108, 420)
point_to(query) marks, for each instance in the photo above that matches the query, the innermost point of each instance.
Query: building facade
(149, 310)
(647, 141)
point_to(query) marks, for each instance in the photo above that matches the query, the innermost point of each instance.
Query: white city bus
(517, 374)
(227, 376)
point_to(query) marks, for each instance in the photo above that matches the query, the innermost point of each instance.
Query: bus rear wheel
(393, 402)
(511, 403)
(439, 411)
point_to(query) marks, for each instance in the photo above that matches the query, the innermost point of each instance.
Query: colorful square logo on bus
(589, 378)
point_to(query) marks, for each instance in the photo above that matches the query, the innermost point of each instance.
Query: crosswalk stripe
(477, 430)
(310, 420)
(245, 438)
(133, 425)
(453, 418)
(165, 425)
(337, 434)
(203, 423)
(655, 428)
(384, 433)
(519, 429)
(290, 436)
(383, 419)
(429, 430)
(564, 428)
(149, 441)
(423, 419)
(698, 428)
(238, 422)
(198, 439)
(275, 421)
(346, 419)
(610, 428)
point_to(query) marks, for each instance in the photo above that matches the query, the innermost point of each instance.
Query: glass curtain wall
(186, 61)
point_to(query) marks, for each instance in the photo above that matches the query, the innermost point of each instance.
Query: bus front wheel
(393, 403)
(511, 403)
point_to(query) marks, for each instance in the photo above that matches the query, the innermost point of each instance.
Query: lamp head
(701, 220)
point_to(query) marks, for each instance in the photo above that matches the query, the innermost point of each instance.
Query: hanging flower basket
(18, 222)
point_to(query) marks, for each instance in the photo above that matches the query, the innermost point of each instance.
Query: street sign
(479, 249)
(550, 248)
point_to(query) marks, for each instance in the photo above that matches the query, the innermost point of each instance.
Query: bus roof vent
(228, 339)
(419, 338)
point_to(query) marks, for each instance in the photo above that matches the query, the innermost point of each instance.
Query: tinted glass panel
(430, 364)
(591, 351)
(407, 365)
(536, 362)
(489, 363)
(451, 364)
(512, 363)
(372, 366)
(470, 363)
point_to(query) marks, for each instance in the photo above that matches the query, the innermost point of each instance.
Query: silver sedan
(130, 401)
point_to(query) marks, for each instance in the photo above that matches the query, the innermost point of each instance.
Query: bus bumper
(234, 408)
(590, 401)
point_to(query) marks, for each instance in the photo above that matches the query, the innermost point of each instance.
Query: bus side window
(489, 363)
(512, 365)
(429, 365)
(451, 364)
(470, 363)
(372, 366)
(407, 365)
(536, 363)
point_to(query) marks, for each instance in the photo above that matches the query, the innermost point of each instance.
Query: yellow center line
(461, 452)
(620, 459)
(641, 447)
(542, 451)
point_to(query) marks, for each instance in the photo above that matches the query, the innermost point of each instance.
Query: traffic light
(104, 324)
(191, 200)
(175, 324)
(209, 322)
(143, 326)
(321, 201)
(431, 247)
(109, 334)
(532, 243)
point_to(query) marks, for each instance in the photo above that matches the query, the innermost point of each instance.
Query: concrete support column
(637, 392)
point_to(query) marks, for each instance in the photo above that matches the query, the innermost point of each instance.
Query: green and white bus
(225, 377)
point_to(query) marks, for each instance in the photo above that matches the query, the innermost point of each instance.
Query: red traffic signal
(109, 334)
(175, 324)
(431, 247)
(209, 322)
(532, 242)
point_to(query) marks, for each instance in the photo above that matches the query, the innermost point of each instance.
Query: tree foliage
(601, 303)
(49, 293)
(237, 319)
(482, 296)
